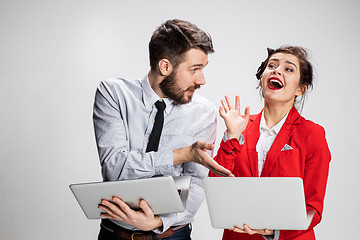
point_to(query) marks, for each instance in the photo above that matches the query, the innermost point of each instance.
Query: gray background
(54, 53)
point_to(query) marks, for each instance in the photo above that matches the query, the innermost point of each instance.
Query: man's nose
(200, 80)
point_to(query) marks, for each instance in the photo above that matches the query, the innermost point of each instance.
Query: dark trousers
(180, 234)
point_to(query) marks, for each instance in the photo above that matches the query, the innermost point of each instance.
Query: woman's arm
(316, 172)
(235, 124)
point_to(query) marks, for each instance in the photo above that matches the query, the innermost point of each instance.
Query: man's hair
(173, 39)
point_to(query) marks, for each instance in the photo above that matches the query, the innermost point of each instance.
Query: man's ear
(165, 67)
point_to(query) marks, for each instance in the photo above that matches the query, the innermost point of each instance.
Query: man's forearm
(181, 155)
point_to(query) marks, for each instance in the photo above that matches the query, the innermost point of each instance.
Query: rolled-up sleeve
(205, 131)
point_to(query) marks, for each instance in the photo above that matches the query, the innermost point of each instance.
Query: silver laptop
(260, 202)
(164, 194)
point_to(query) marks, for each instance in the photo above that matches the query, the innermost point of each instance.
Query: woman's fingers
(248, 230)
(247, 113)
(221, 111)
(237, 103)
(224, 105)
(251, 231)
(228, 101)
(238, 230)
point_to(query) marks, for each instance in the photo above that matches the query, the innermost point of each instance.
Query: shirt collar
(275, 129)
(150, 97)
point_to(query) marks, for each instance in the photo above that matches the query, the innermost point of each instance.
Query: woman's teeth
(275, 83)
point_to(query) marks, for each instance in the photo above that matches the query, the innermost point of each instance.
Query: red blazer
(309, 159)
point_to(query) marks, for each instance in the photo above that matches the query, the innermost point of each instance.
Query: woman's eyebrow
(289, 62)
(274, 60)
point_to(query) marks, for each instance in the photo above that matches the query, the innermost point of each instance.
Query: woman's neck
(273, 113)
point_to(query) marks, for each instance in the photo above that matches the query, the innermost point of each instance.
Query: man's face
(181, 84)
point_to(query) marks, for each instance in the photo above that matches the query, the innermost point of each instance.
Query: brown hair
(306, 69)
(174, 38)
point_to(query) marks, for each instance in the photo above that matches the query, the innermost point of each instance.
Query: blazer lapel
(251, 138)
(281, 139)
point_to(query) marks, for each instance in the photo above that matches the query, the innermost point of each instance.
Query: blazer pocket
(290, 164)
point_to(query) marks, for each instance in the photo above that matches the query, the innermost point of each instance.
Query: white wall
(54, 53)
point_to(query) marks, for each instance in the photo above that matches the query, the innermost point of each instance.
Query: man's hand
(197, 153)
(143, 219)
(250, 231)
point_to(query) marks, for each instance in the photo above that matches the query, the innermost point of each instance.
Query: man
(125, 115)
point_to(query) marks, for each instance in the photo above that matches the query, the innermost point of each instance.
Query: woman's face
(280, 81)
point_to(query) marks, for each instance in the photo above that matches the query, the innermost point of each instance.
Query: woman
(277, 142)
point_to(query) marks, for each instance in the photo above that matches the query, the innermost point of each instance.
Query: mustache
(193, 88)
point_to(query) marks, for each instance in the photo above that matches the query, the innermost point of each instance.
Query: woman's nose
(276, 72)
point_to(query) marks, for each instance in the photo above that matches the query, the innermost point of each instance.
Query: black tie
(154, 138)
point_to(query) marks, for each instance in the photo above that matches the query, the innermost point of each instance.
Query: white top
(124, 114)
(266, 139)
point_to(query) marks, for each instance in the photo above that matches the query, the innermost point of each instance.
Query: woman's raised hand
(234, 122)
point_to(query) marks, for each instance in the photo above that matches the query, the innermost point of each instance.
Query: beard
(170, 87)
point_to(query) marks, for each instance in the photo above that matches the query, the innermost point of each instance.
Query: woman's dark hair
(173, 39)
(306, 69)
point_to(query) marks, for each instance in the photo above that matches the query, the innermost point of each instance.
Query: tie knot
(160, 105)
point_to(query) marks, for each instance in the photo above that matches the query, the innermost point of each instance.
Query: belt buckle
(134, 233)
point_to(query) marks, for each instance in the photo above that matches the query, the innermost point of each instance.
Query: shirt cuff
(241, 139)
(228, 145)
(272, 237)
(163, 162)
(167, 220)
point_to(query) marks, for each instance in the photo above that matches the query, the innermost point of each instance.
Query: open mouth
(275, 84)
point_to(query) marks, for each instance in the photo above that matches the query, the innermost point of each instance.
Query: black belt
(136, 235)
